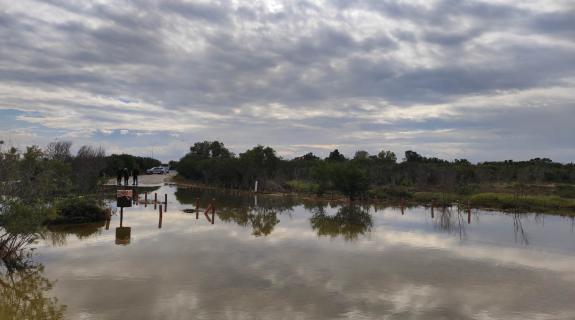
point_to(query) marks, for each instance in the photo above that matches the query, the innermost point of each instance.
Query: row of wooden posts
(164, 208)
(210, 209)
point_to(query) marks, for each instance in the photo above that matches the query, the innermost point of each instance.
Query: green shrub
(439, 198)
(78, 210)
(302, 186)
(391, 193)
(565, 191)
(529, 203)
(19, 218)
(350, 179)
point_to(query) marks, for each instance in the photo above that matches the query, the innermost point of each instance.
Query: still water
(283, 258)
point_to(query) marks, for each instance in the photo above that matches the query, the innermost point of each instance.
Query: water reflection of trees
(349, 222)
(24, 292)
(451, 220)
(230, 199)
(59, 234)
(260, 219)
(23, 288)
(519, 232)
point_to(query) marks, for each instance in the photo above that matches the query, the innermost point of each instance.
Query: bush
(349, 179)
(565, 191)
(530, 203)
(78, 210)
(391, 193)
(302, 186)
(19, 218)
(440, 198)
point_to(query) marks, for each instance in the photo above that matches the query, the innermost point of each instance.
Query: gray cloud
(298, 74)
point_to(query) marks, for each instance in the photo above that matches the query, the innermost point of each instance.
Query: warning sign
(124, 198)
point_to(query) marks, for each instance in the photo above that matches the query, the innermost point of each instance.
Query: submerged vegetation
(535, 185)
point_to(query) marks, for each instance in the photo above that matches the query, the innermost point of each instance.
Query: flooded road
(280, 258)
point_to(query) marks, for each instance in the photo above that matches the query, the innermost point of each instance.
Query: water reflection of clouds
(298, 230)
(402, 268)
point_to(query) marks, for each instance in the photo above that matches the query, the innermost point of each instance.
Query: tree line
(210, 162)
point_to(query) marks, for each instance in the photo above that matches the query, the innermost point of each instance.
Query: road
(149, 179)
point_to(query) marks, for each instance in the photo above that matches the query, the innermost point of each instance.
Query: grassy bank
(501, 201)
(502, 198)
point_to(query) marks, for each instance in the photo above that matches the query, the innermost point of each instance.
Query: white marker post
(256, 187)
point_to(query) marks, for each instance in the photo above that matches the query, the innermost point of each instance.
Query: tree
(335, 156)
(361, 155)
(209, 150)
(412, 156)
(59, 150)
(350, 180)
(259, 158)
(88, 167)
(387, 156)
(307, 157)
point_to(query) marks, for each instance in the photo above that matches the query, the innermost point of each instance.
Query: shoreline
(489, 201)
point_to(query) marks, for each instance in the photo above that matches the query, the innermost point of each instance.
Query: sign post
(123, 199)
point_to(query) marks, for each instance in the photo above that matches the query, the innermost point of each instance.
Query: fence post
(468, 213)
(213, 211)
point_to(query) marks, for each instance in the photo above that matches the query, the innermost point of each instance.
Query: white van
(158, 170)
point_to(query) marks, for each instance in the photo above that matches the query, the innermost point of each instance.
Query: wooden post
(165, 202)
(468, 213)
(121, 216)
(197, 207)
(155, 200)
(146, 199)
(213, 211)
(432, 215)
(160, 221)
(160, 209)
(208, 209)
(108, 217)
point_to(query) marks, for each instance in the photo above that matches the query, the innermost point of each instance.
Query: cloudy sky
(483, 80)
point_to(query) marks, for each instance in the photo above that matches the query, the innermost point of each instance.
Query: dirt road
(149, 179)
